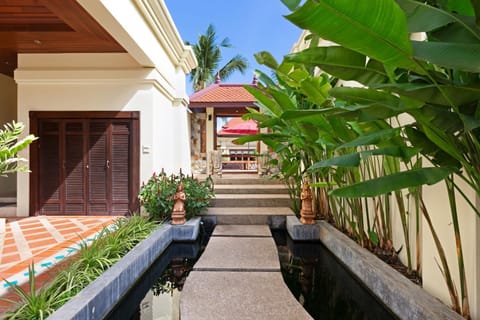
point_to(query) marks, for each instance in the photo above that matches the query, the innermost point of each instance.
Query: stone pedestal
(178, 217)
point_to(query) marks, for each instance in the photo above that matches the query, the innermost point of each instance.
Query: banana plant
(436, 82)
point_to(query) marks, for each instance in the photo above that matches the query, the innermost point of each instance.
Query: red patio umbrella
(239, 127)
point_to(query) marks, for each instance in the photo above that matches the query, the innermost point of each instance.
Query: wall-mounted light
(209, 117)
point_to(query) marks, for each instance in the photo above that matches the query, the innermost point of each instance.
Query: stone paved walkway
(238, 277)
(46, 241)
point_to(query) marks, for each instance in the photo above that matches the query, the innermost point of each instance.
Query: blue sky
(251, 25)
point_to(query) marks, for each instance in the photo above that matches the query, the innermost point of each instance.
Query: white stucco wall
(107, 82)
(436, 200)
(8, 112)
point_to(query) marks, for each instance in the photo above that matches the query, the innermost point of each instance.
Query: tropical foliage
(209, 55)
(91, 260)
(10, 146)
(417, 100)
(156, 196)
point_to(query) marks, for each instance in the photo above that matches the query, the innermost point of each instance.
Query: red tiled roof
(222, 94)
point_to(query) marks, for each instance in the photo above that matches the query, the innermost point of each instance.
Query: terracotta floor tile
(36, 236)
(9, 249)
(41, 243)
(62, 222)
(10, 258)
(41, 248)
(34, 230)
(31, 225)
(9, 241)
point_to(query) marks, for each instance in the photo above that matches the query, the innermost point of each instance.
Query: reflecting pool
(322, 284)
(314, 276)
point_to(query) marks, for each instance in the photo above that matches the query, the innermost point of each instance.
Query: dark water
(156, 294)
(318, 281)
(322, 284)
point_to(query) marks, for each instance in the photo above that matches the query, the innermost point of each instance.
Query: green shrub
(156, 196)
(10, 146)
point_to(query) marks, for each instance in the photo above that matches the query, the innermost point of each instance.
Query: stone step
(263, 211)
(251, 200)
(275, 217)
(233, 295)
(251, 188)
(245, 180)
(239, 254)
(238, 277)
(242, 231)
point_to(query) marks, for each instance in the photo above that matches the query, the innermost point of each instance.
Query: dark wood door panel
(85, 166)
(49, 168)
(74, 169)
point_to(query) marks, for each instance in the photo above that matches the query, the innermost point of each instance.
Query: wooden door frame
(134, 168)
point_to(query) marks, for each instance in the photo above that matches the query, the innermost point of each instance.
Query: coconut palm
(208, 53)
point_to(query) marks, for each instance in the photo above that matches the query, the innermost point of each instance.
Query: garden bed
(100, 296)
(404, 297)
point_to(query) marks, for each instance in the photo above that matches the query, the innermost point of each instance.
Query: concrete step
(275, 217)
(263, 211)
(255, 231)
(8, 210)
(251, 189)
(245, 180)
(238, 277)
(239, 254)
(251, 200)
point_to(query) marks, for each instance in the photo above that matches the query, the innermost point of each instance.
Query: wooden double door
(85, 163)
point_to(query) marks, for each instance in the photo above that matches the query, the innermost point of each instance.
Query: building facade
(102, 84)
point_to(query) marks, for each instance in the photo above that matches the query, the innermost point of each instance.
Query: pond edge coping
(97, 299)
(404, 298)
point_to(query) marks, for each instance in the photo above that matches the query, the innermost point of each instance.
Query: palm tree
(208, 54)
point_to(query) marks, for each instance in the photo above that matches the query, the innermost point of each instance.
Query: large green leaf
(461, 6)
(261, 137)
(265, 102)
(374, 137)
(302, 114)
(476, 9)
(376, 28)
(373, 97)
(342, 63)
(291, 4)
(346, 160)
(430, 93)
(267, 59)
(393, 182)
(283, 100)
(429, 149)
(353, 159)
(315, 90)
(423, 18)
(465, 32)
(460, 56)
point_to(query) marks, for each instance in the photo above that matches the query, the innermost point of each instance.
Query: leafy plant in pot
(156, 196)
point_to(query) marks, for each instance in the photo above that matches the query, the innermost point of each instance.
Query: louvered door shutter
(74, 168)
(119, 168)
(49, 168)
(97, 167)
